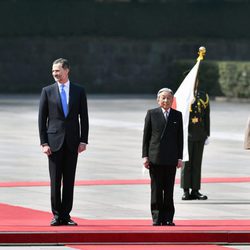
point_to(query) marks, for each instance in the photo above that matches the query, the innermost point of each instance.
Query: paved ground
(114, 152)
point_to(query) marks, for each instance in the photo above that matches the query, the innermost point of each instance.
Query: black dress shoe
(156, 224)
(55, 222)
(196, 195)
(186, 196)
(168, 223)
(68, 222)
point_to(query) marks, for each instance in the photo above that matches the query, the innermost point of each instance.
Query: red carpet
(23, 225)
(149, 247)
(122, 182)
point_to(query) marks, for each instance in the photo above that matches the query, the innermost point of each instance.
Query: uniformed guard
(198, 133)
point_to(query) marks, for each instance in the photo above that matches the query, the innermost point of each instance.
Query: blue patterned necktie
(64, 100)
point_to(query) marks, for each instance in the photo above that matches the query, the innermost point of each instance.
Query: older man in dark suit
(63, 128)
(162, 154)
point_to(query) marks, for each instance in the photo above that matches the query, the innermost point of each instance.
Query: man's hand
(81, 147)
(146, 162)
(46, 150)
(180, 164)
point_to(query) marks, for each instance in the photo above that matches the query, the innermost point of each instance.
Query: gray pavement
(114, 152)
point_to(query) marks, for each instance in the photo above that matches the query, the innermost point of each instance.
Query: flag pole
(184, 96)
(202, 52)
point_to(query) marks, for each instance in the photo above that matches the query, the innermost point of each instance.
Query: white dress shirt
(165, 113)
(66, 89)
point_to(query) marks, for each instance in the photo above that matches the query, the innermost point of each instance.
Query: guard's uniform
(198, 131)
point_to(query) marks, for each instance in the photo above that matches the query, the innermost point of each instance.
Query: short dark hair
(64, 62)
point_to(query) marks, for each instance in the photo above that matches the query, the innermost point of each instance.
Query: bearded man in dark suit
(162, 153)
(63, 129)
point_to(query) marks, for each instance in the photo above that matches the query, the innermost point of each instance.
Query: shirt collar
(164, 111)
(65, 84)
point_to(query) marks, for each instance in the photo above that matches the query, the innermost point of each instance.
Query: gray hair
(164, 90)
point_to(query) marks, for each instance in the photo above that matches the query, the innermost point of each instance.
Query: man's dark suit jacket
(163, 141)
(54, 127)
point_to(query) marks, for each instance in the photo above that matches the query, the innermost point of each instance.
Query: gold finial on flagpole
(201, 53)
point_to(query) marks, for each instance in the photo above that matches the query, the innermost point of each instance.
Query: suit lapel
(170, 115)
(58, 98)
(162, 121)
(71, 96)
(161, 117)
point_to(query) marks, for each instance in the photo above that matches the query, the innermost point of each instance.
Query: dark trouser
(191, 171)
(162, 190)
(62, 167)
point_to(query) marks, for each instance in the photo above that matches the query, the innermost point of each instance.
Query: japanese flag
(182, 101)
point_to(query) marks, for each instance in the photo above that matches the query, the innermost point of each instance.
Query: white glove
(207, 141)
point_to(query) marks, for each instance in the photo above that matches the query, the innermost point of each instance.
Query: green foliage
(235, 78)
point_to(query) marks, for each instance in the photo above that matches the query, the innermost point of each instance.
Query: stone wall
(104, 65)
